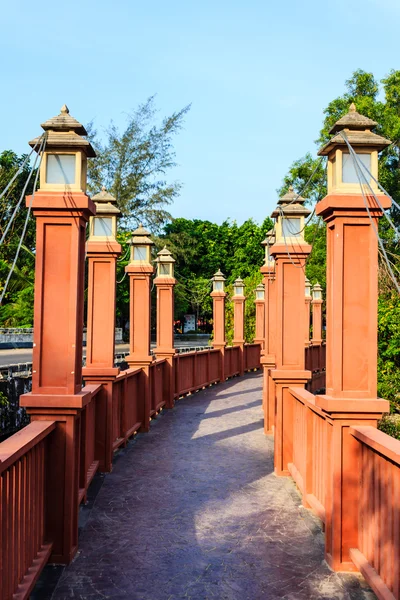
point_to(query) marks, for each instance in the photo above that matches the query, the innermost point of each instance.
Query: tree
(133, 165)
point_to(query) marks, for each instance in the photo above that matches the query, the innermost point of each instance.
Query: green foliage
(390, 424)
(389, 348)
(17, 306)
(133, 164)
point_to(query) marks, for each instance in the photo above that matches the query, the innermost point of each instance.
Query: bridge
(244, 471)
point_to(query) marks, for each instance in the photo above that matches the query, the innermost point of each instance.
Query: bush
(390, 424)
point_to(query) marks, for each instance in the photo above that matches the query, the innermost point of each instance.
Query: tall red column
(316, 321)
(61, 211)
(352, 293)
(102, 252)
(140, 272)
(219, 340)
(260, 316)
(290, 355)
(268, 355)
(239, 300)
(165, 284)
(308, 312)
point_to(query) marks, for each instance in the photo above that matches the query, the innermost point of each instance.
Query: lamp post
(269, 350)
(218, 295)
(165, 284)
(260, 315)
(307, 298)
(102, 250)
(140, 271)
(317, 314)
(351, 213)
(290, 252)
(239, 300)
(62, 210)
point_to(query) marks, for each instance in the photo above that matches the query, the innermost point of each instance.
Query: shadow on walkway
(192, 510)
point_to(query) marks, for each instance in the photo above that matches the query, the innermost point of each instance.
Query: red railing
(24, 549)
(88, 464)
(195, 370)
(157, 376)
(232, 361)
(308, 441)
(378, 499)
(252, 356)
(127, 405)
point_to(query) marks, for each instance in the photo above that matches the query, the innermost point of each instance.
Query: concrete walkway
(192, 510)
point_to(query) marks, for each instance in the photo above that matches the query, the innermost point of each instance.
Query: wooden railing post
(165, 284)
(351, 215)
(62, 211)
(290, 257)
(102, 253)
(219, 341)
(140, 271)
(239, 300)
(268, 352)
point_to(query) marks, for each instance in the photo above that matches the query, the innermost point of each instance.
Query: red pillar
(61, 212)
(219, 340)
(102, 253)
(290, 356)
(238, 327)
(260, 317)
(317, 320)
(352, 295)
(165, 284)
(268, 355)
(308, 311)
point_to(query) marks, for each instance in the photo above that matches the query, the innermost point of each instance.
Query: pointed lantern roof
(140, 237)
(64, 131)
(219, 276)
(357, 128)
(164, 256)
(291, 203)
(105, 202)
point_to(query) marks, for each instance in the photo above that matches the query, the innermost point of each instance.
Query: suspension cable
(43, 142)
(25, 226)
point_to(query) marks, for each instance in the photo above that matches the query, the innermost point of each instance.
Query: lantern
(343, 174)
(267, 243)
(260, 292)
(307, 288)
(165, 263)
(317, 292)
(218, 282)
(103, 226)
(141, 246)
(289, 216)
(238, 287)
(64, 162)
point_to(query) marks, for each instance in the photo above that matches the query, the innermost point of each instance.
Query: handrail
(379, 441)
(21, 442)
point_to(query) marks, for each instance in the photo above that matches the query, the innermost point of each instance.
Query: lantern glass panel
(260, 295)
(290, 227)
(140, 253)
(239, 290)
(349, 169)
(317, 295)
(60, 168)
(103, 226)
(218, 286)
(164, 269)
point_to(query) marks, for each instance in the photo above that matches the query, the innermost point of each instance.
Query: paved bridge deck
(192, 510)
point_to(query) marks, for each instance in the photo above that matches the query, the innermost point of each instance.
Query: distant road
(24, 355)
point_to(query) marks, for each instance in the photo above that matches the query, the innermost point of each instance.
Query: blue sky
(258, 75)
